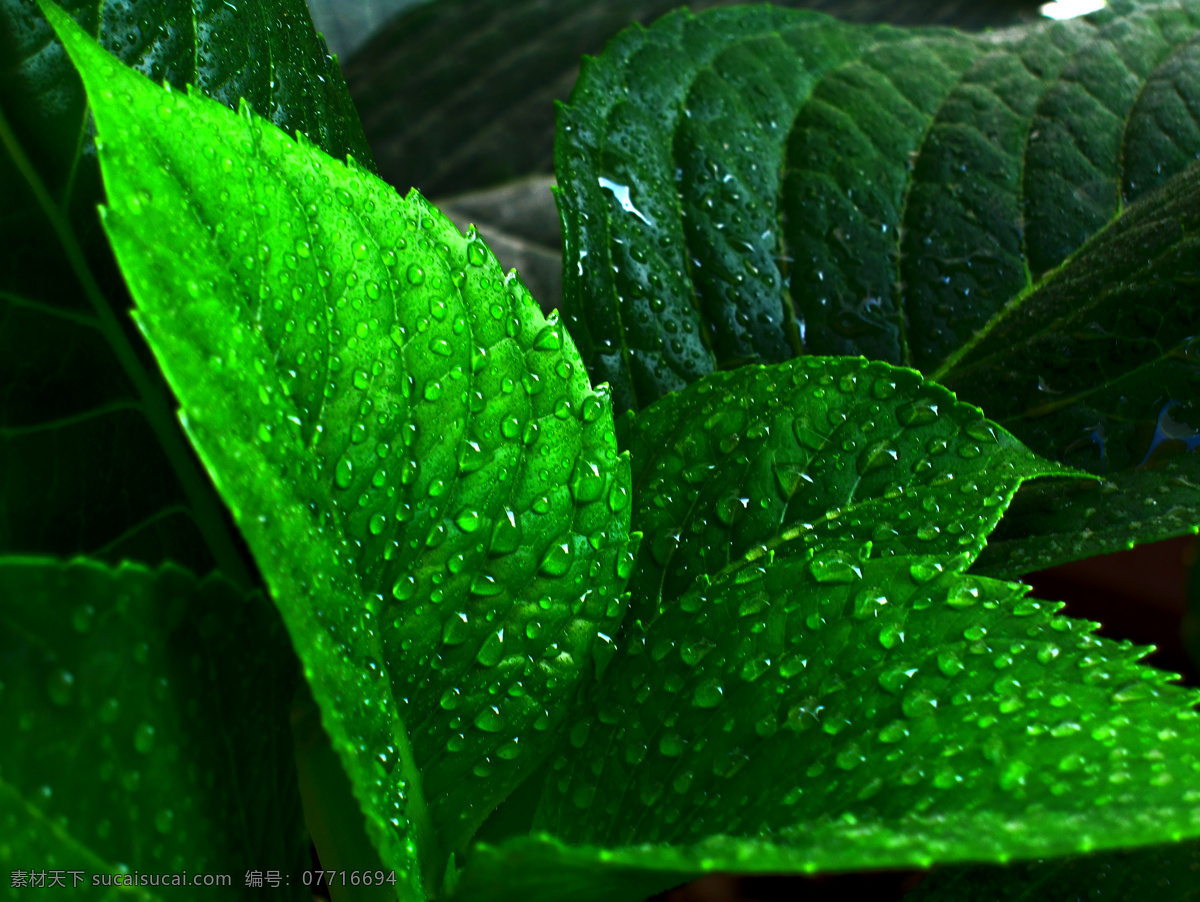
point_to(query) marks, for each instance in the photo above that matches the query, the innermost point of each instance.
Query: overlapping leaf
(146, 732)
(459, 95)
(412, 451)
(1115, 334)
(84, 418)
(808, 679)
(760, 183)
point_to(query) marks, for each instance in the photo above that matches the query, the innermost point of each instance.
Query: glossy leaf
(413, 453)
(84, 417)
(894, 194)
(810, 668)
(1114, 331)
(178, 690)
(459, 95)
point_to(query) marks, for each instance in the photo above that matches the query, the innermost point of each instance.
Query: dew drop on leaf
(61, 687)
(143, 738)
(836, 567)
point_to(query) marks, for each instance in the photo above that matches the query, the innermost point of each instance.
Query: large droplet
(61, 687)
(492, 651)
(920, 412)
(587, 483)
(143, 738)
(456, 630)
(709, 695)
(489, 720)
(557, 559)
(835, 567)
(506, 534)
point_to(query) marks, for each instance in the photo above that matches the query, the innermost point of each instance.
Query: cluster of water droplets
(472, 476)
(98, 666)
(840, 644)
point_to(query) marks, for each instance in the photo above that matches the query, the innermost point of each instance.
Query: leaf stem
(196, 486)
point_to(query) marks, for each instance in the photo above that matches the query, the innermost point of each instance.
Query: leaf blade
(920, 187)
(131, 662)
(412, 451)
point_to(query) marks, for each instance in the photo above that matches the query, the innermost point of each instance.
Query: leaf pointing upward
(429, 484)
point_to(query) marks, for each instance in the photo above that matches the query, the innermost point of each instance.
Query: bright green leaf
(411, 450)
(145, 724)
(810, 667)
(755, 183)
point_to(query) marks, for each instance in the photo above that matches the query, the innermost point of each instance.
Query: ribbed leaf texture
(758, 183)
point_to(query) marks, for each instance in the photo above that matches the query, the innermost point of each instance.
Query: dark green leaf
(895, 194)
(458, 95)
(1114, 334)
(145, 728)
(85, 418)
(428, 483)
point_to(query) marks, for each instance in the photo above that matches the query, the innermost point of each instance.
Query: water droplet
(415, 274)
(476, 254)
(404, 588)
(850, 757)
(924, 571)
(557, 559)
(837, 567)
(579, 734)
(618, 498)
(506, 534)
(143, 738)
(919, 703)
(920, 412)
(61, 687)
(492, 651)
(469, 520)
(164, 820)
(587, 483)
(949, 663)
(708, 695)
(343, 474)
(82, 618)
(456, 630)
(877, 455)
(108, 710)
(868, 603)
(549, 339)
(894, 732)
(489, 720)
(671, 745)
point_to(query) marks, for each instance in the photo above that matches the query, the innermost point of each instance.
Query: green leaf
(808, 679)
(146, 733)
(86, 420)
(412, 451)
(459, 95)
(1114, 330)
(1105, 877)
(899, 194)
